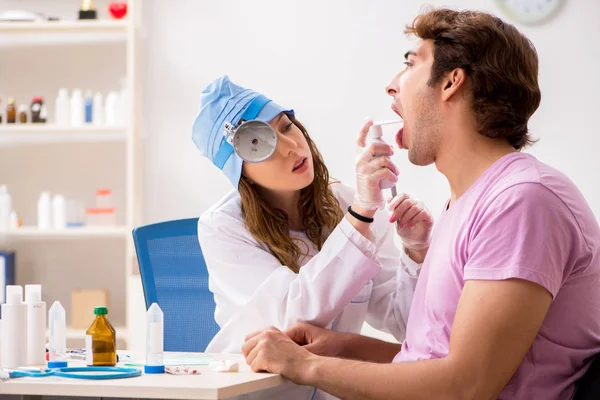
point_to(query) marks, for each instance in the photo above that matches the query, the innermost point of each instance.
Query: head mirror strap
(226, 150)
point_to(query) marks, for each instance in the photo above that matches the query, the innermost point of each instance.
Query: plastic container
(44, 211)
(98, 109)
(59, 212)
(77, 108)
(104, 198)
(57, 352)
(154, 341)
(75, 213)
(14, 329)
(376, 135)
(62, 116)
(5, 208)
(36, 325)
(100, 217)
(101, 340)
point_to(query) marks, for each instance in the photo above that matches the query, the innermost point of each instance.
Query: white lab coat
(349, 281)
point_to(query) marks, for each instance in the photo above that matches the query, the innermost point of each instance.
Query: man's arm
(494, 327)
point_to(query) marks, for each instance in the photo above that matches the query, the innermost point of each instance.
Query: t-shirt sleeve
(526, 232)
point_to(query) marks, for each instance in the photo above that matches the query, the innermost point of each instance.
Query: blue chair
(174, 275)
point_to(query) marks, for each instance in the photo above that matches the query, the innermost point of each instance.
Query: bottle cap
(3, 189)
(22, 108)
(100, 311)
(38, 99)
(33, 293)
(57, 364)
(375, 131)
(14, 294)
(154, 369)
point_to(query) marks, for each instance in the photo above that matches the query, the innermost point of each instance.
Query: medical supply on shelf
(87, 10)
(11, 111)
(36, 109)
(100, 340)
(100, 217)
(5, 208)
(57, 356)
(76, 108)
(14, 328)
(36, 325)
(22, 114)
(154, 340)
(44, 211)
(59, 212)
(104, 198)
(62, 116)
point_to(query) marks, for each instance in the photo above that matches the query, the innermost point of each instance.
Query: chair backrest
(588, 387)
(174, 275)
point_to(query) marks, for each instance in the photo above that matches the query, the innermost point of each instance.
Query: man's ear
(453, 82)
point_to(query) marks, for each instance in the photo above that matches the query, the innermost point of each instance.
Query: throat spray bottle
(376, 135)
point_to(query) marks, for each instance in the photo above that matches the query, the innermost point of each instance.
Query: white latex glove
(413, 221)
(373, 164)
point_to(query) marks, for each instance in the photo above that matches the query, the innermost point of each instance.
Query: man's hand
(273, 351)
(414, 225)
(323, 342)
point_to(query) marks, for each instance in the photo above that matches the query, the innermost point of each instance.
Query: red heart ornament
(118, 10)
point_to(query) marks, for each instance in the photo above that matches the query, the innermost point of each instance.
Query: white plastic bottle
(59, 212)
(14, 328)
(98, 109)
(376, 135)
(61, 110)
(57, 353)
(44, 211)
(77, 108)
(36, 325)
(5, 208)
(154, 340)
(111, 117)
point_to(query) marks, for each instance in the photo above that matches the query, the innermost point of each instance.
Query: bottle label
(155, 339)
(89, 355)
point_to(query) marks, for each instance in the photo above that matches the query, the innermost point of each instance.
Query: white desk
(208, 385)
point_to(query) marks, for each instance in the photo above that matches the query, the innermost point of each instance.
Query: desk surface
(208, 385)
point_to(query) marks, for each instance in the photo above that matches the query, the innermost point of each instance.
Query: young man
(507, 305)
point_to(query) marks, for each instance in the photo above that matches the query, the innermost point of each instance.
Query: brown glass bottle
(100, 340)
(11, 111)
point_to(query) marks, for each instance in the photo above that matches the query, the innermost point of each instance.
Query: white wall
(330, 61)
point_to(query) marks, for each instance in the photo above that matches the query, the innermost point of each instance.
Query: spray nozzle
(375, 131)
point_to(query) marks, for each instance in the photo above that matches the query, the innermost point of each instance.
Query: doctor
(281, 248)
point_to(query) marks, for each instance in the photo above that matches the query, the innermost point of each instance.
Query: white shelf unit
(128, 30)
(41, 133)
(86, 26)
(85, 232)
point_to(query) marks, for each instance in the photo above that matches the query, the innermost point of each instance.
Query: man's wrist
(417, 256)
(306, 370)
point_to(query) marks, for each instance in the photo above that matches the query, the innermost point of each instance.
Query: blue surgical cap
(223, 101)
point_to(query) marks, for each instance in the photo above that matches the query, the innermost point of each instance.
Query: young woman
(281, 248)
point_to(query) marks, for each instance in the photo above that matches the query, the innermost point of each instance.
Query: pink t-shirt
(520, 219)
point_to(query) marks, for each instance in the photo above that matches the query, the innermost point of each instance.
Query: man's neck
(286, 201)
(465, 157)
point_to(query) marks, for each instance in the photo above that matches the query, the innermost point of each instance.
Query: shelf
(68, 233)
(64, 26)
(14, 34)
(42, 133)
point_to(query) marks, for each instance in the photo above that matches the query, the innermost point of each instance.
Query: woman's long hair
(319, 209)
